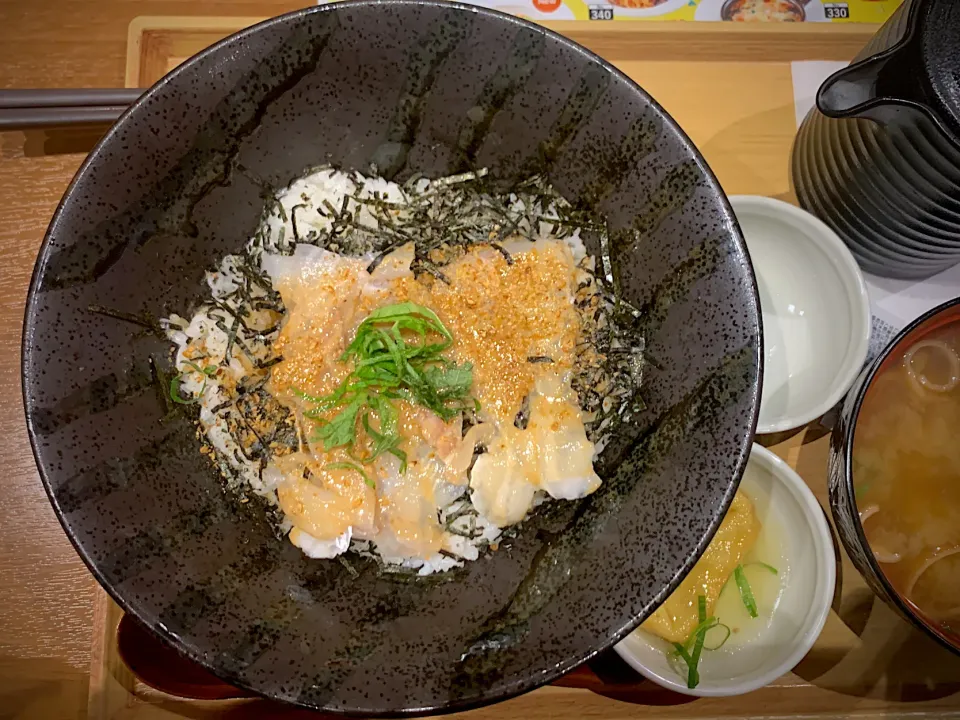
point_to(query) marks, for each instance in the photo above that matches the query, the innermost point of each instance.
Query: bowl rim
(670, 125)
(855, 290)
(848, 438)
(815, 618)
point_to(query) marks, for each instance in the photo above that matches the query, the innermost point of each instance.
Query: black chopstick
(69, 97)
(36, 108)
(26, 118)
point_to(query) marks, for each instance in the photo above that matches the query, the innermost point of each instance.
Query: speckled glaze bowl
(410, 87)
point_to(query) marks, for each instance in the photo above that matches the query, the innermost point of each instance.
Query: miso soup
(906, 473)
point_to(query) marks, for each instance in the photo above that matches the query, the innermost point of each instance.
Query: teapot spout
(853, 90)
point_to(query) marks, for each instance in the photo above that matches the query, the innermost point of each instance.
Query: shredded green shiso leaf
(397, 355)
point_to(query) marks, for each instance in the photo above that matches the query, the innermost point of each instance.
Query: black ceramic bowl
(843, 500)
(412, 87)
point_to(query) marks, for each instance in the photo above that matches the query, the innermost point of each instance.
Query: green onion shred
(397, 355)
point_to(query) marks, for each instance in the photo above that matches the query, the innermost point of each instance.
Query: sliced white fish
(409, 504)
(551, 454)
(458, 460)
(321, 549)
(306, 265)
(502, 484)
(565, 455)
(332, 502)
(394, 266)
(322, 294)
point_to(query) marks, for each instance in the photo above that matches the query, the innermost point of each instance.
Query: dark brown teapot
(878, 159)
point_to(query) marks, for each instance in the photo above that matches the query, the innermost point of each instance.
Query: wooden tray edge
(631, 40)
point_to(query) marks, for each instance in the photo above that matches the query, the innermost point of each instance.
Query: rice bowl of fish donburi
(369, 401)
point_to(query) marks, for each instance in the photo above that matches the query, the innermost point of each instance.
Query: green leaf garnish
(397, 355)
(746, 594)
(354, 467)
(175, 381)
(452, 382)
(693, 673)
(342, 428)
(387, 438)
(175, 392)
(692, 648)
(726, 637)
(693, 681)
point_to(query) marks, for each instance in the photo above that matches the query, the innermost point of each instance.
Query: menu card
(867, 11)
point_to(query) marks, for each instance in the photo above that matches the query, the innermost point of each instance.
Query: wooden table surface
(46, 592)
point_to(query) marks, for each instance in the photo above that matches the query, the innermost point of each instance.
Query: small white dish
(782, 499)
(815, 310)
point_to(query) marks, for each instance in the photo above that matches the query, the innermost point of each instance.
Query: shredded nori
(144, 320)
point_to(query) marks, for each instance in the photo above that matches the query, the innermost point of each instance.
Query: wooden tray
(730, 87)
